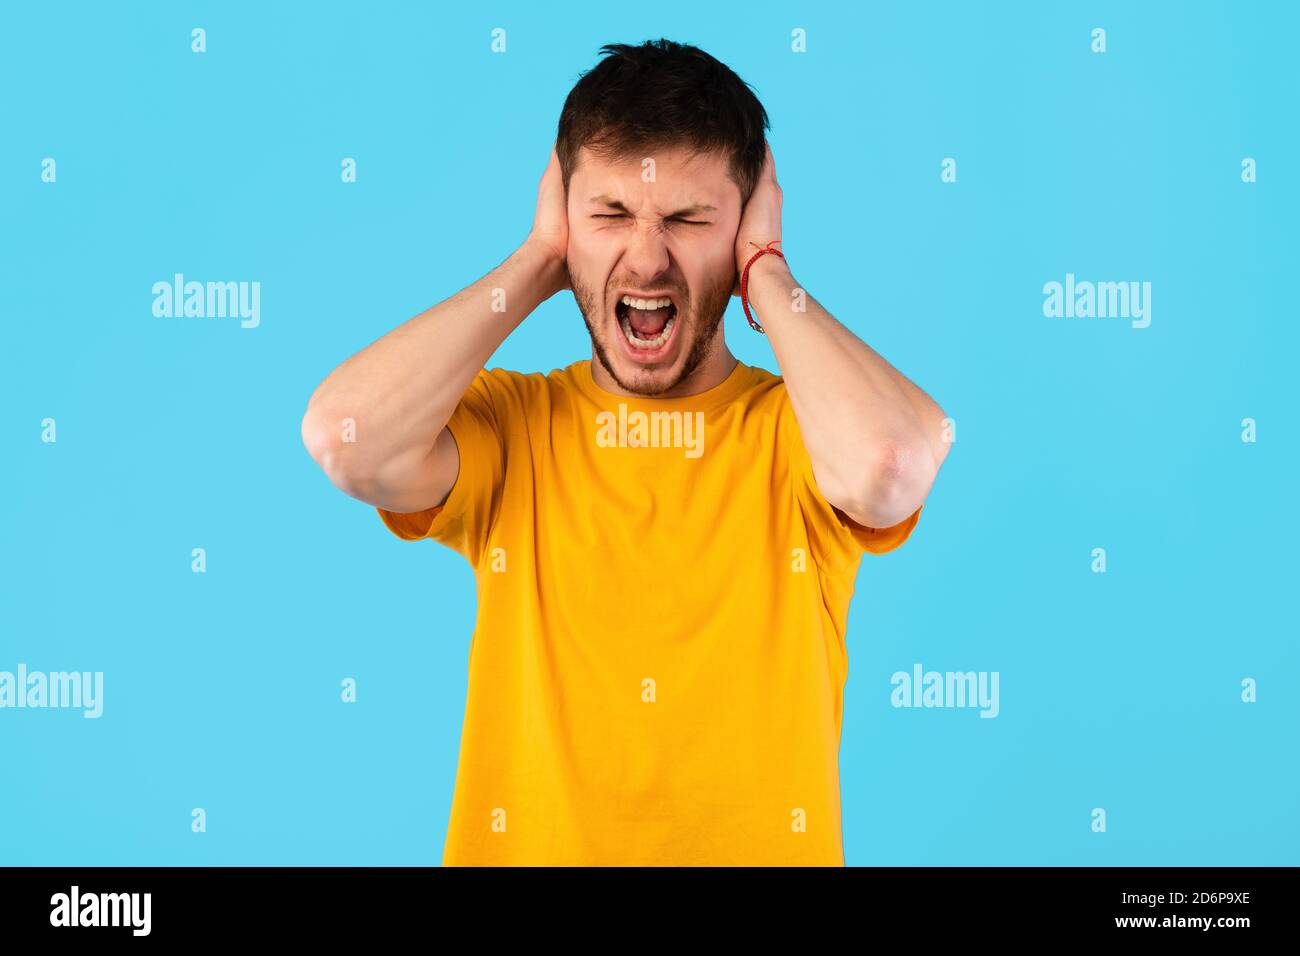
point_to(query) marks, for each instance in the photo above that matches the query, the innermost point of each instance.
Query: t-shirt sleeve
(835, 539)
(464, 521)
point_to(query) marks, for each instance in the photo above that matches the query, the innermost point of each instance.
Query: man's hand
(400, 391)
(550, 230)
(875, 440)
(760, 223)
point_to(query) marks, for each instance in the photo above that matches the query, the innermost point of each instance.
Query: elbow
(890, 485)
(325, 437)
(947, 435)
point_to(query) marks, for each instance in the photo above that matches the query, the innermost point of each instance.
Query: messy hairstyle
(658, 95)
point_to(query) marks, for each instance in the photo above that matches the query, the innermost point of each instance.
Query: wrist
(767, 283)
(766, 267)
(545, 263)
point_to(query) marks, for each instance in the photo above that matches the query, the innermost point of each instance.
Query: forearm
(875, 440)
(400, 391)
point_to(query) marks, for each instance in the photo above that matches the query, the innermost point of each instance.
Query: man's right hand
(550, 230)
(394, 398)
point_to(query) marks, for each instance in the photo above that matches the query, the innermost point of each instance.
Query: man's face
(635, 243)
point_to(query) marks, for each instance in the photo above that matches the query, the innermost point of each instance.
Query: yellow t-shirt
(657, 670)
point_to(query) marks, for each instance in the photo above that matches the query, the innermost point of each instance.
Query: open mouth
(647, 324)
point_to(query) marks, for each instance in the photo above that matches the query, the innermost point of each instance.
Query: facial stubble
(712, 307)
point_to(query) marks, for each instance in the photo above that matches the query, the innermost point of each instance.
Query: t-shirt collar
(719, 395)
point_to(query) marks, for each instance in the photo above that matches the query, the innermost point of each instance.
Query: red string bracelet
(744, 279)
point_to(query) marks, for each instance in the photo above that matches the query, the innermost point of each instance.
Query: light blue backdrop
(1119, 690)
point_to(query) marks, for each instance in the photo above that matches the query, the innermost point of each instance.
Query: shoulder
(506, 386)
(763, 382)
(765, 392)
(510, 393)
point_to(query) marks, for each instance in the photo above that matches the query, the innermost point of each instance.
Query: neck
(712, 371)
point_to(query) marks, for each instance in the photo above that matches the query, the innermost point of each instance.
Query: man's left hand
(760, 223)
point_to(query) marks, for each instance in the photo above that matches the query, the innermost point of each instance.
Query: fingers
(552, 171)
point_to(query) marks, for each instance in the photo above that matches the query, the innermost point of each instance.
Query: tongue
(648, 323)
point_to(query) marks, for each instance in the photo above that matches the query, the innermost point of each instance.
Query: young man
(665, 540)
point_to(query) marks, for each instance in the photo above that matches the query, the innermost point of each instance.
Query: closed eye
(623, 215)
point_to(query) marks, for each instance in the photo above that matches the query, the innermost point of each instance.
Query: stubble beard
(702, 323)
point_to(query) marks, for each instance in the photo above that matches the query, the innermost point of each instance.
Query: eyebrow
(692, 210)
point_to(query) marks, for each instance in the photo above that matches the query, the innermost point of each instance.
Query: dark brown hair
(658, 95)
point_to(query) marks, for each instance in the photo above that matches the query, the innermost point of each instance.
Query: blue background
(1118, 690)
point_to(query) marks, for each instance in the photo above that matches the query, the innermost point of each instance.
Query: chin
(649, 339)
(639, 378)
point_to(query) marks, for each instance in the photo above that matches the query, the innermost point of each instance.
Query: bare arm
(400, 391)
(875, 440)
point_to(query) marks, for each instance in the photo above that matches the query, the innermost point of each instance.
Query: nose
(646, 257)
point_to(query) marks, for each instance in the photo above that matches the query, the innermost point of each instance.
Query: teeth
(643, 304)
(640, 343)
